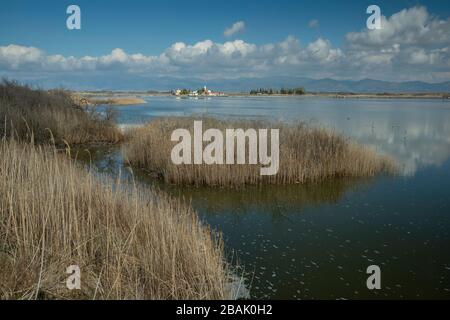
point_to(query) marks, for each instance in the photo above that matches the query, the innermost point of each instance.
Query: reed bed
(51, 117)
(307, 154)
(130, 243)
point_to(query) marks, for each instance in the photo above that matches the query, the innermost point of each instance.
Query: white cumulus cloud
(413, 45)
(413, 26)
(235, 28)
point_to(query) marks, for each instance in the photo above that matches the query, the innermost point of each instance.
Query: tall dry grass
(51, 116)
(306, 155)
(130, 243)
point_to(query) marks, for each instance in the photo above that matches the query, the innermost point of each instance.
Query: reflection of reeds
(47, 116)
(265, 198)
(128, 242)
(306, 155)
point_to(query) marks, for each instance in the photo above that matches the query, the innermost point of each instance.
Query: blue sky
(150, 28)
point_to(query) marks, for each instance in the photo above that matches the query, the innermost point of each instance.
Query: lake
(315, 241)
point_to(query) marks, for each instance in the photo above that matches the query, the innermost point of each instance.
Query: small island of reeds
(307, 154)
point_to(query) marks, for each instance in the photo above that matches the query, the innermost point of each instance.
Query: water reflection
(272, 199)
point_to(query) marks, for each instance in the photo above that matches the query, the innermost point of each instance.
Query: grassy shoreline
(130, 242)
(52, 116)
(112, 100)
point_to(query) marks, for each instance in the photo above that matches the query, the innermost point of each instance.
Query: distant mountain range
(145, 83)
(321, 85)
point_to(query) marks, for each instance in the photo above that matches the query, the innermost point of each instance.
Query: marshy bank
(307, 154)
(51, 116)
(118, 244)
(130, 242)
(314, 241)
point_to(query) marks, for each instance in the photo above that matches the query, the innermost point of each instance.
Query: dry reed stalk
(130, 242)
(51, 116)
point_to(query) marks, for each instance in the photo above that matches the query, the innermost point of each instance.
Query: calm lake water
(315, 241)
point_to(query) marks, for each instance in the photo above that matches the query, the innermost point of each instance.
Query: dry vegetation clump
(306, 155)
(130, 243)
(117, 101)
(51, 116)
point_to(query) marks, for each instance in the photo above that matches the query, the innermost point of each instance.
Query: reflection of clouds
(412, 152)
(417, 137)
(415, 132)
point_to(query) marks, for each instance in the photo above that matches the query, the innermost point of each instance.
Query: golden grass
(130, 243)
(306, 155)
(51, 116)
(117, 101)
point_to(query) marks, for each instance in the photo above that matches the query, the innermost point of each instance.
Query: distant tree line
(291, 91)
